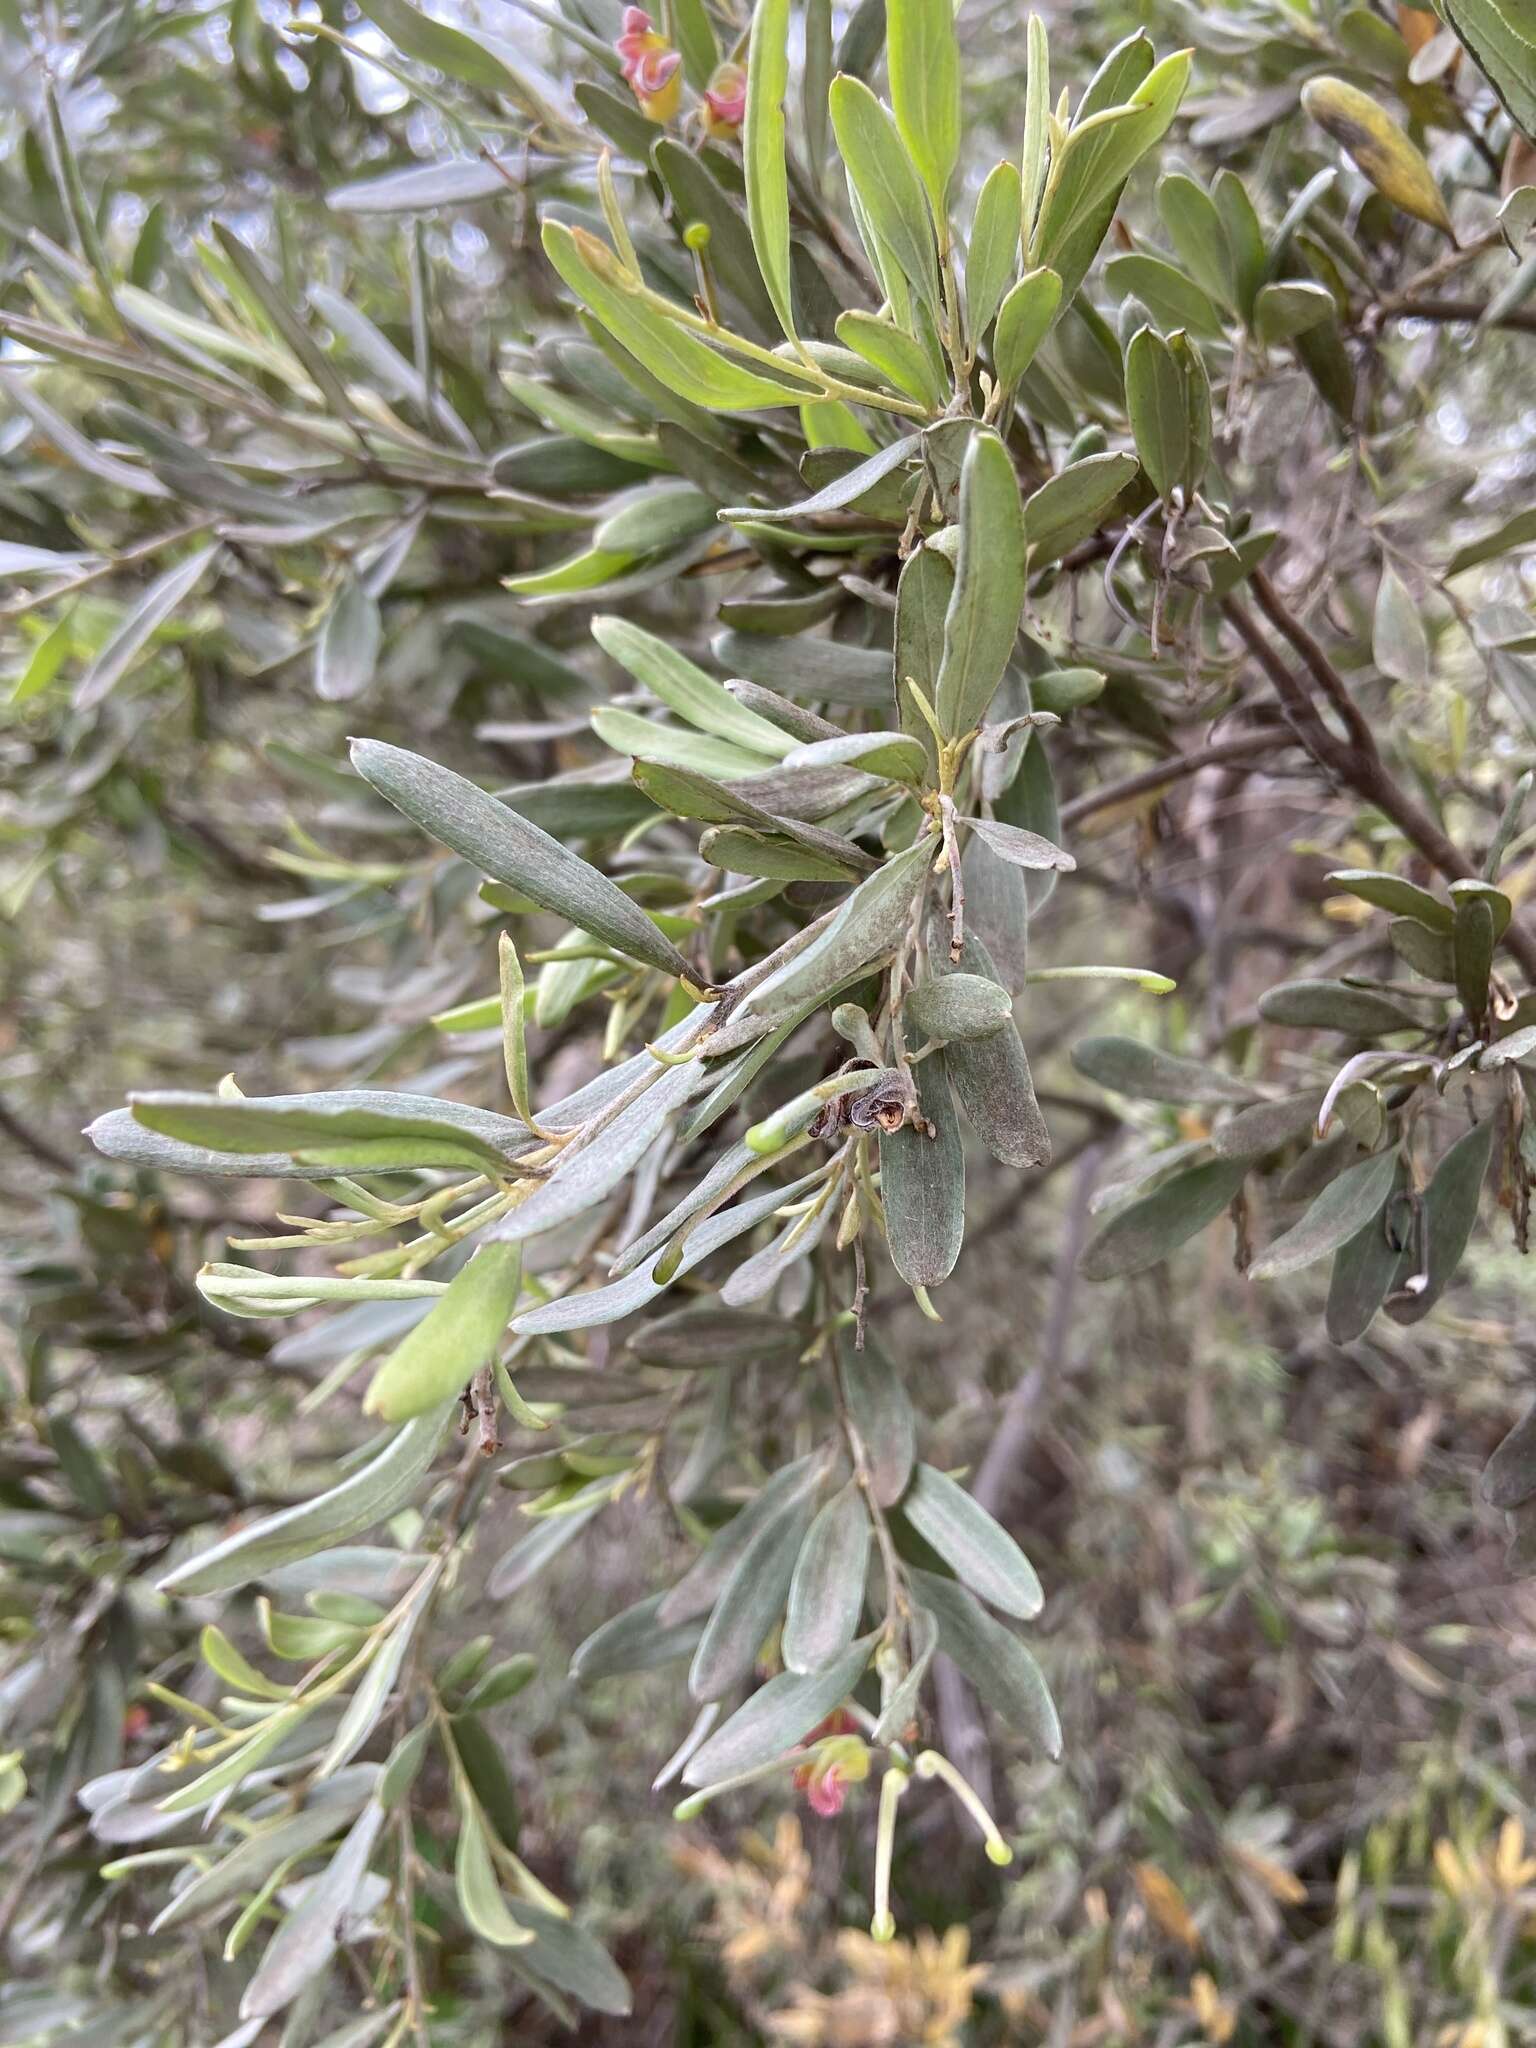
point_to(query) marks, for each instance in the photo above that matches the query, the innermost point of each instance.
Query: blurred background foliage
(1290, 1656)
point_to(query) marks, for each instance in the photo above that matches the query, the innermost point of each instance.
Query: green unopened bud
(931, 1765)
(697, 236)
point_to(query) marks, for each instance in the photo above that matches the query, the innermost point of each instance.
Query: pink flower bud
(725, 99)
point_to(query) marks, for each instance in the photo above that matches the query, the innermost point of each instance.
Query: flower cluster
(651, 66)
(653, 70)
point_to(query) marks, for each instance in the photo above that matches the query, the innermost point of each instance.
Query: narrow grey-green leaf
(826, 1594)
(347, 650)
(868, 926)
(976, 1548)
(1152, 1075)
(313, 1930)
(368, 1496)
(1023, 321)
(1362, 1273)
(762, 150)
(1399, 643)
(142, 622)
(438, 1358)
(1265, 1126)
(1144, 1234)
(509, 849)
(1343, 1209)
(635, 1640)
(992, 1078)
(923, 64)
(983, 617)
(1005, 1675)
(686, 689)
(1393, 892)
(700, 1586)
(881, 1413)
(922, 1184)
(337, 1128)
(951, 1006)
(1071, 505)
(1335, 1006)
(1021, 849)
(993, 256)
(1472, 955)
(1450, 1212)
(1510, 1476)
(778, 1715)
(883, 176)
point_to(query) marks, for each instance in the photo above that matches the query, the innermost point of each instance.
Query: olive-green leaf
(1168, 295)
(1071, 505)
(762, 151)
(1144, 1234)
(1159, 413)
(923, 593)
(923, 62)
(1194, 227)
(1005, 1675)
(1394, 893)
(686, 689)
(778, 1715)
(900, 358)
(882, 175)
(993, 256)
(675, 356)
(1289, 308)
(983, 617)
(1023, 321)
(826, 1594)
(1499, 35)
(982, 1554)
(922, 1184)
(698, 1589)
(895, 755)
(480, 1897)
(347, 650)
(1340, 1212)
(509, 849)
(439, 1357)
(1021, 848)
(1099, 155)
(143, 620)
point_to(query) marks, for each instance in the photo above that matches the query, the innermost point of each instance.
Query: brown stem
(1356, 760)
(1244, 747)
(1456, 311)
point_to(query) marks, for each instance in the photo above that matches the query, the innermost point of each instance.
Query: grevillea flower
(651, 66)
(837, 1759)
(725, 100)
